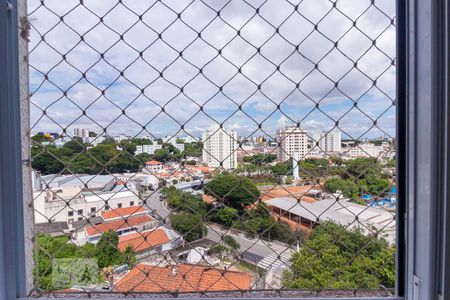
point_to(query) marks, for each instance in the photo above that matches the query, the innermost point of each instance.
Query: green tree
(48, 248)
(143, 158)
(88, 251)
(75, 145)
(189, 225)
(184, 201)
(334, 257)
(362, 167)
(225, 216)
(259, 221)
(313, 168)
(129, 257)
(282, 169)
(231, 242)
(109, 141)
(235, 191)
(163, 155)
(107, 250)
(192, 149)
(260, 159)
(392, 163)
(45, 162)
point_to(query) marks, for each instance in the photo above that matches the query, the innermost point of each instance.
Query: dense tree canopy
(334, 257)
(105, 252)
(314, 169)
(129, 257)
(360, 176)
(192, 149)
(183, 201)
(108, 156)
(260, 159)
(225, 216)
(259, 222)
(189, 225)
(234, 191)
(282, 169)
(231, 242)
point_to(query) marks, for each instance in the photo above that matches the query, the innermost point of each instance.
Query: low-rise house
(148, 242)
(182, 278)
(152, 167)
(74, 198)
(123, 221)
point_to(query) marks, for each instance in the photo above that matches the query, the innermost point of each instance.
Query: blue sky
(271, 96)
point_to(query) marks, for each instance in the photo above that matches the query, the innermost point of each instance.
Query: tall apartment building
(291, 139)
(220, 147)
(81, 132)
(328, 141)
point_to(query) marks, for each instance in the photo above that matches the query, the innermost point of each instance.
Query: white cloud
(141, 92)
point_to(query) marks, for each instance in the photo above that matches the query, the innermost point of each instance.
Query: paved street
(254, 246)
(156, 205)
(257, 249)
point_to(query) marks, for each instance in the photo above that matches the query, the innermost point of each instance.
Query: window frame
(423, 134)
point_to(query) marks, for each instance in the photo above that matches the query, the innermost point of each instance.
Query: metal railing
(282, 112)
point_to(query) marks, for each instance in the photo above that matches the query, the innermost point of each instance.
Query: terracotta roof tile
(121, 213)
(153, 162)
(208, 199)
(299, 192)
(142, 241)
(181, 278)
(117, 224)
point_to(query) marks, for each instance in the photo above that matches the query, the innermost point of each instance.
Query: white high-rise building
(220, 147)
(149, 149)
(328, 141)
(81, 132)
(291, 139)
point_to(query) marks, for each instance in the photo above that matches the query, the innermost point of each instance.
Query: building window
(80, 212)
(119, 205)
(70, 213)
(131, 203)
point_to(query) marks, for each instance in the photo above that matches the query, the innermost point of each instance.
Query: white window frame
(422, 146)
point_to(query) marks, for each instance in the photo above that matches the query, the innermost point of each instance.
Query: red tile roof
(181, 278)
(208, 199)
(142, 241)
(117, 224)
(202, 169)
(153, 162)
(121, 213)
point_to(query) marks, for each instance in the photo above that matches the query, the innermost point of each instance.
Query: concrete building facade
(328, 141)
(220, 148)
(291, 139)
(149, 149)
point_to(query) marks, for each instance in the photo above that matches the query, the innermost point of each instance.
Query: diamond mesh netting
(227, 146)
